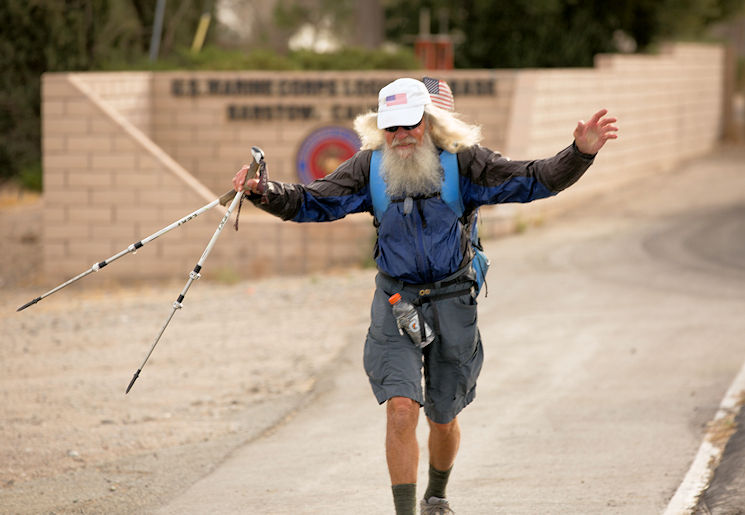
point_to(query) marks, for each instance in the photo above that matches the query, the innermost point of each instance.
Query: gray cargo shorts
(451, 363)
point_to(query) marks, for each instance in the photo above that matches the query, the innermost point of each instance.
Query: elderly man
(423, 252)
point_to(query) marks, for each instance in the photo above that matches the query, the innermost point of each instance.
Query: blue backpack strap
(380, 199)
(451, 196)
(450, 193)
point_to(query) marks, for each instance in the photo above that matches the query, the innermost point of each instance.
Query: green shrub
(355, 58)
(30, 177)
(215, 58)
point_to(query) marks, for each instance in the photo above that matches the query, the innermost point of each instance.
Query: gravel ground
(235, 361)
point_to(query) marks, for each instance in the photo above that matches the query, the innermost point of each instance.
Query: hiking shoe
(435, 506)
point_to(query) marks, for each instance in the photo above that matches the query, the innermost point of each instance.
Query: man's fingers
(253, 185)
(610, 129)
(240, 178)
(238, 181)
(597, 116)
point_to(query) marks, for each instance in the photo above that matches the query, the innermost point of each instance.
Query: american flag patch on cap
(395, 100)
(440, 93)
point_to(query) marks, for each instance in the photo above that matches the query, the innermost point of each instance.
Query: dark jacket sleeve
(487, 177)
(342, 192)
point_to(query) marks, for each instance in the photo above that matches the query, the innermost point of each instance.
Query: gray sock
(438, 481)
(404, 498)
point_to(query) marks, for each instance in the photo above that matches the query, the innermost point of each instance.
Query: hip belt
(433, 292)
(429, 292)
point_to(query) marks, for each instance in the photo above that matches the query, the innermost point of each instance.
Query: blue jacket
(428, 243)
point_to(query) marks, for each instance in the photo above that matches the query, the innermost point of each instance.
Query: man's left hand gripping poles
(259, 165)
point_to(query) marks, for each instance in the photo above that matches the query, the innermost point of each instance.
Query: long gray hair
(447, 130)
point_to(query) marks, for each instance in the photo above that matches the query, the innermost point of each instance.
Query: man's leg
(402, 452)
(444, 440)
(451, 368)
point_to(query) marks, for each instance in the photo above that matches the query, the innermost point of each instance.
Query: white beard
(418, 173)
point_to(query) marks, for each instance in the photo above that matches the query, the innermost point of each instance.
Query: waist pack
(450, 194)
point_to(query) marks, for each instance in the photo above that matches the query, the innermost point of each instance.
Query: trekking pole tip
(29, 303)
(134, 378)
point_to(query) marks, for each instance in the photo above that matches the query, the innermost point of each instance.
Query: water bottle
(407, 318)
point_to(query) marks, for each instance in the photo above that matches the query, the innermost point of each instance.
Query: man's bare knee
(403, 413)
(444, 429)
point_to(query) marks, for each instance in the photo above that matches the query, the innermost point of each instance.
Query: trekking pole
(259, 165)
(223, 200)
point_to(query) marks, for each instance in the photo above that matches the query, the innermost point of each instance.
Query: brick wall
(127, 93)
(668, 106)
(126, 154)
(106, 186)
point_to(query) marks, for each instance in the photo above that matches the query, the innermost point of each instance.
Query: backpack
(450, 194)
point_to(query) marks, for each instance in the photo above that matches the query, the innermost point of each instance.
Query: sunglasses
(404, 127)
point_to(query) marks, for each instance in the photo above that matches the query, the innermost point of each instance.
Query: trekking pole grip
(259, 166)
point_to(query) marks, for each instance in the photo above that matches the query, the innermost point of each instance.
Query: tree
(70, 35)
(547, 33)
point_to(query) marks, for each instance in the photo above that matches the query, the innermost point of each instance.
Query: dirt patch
(20, 237)
(233, 362)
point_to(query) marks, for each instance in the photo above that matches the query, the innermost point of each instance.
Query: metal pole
(157, 30)
(133, 247)
(195, 274)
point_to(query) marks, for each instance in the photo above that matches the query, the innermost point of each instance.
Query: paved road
(611, 337)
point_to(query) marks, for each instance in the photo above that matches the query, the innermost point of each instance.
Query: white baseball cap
(402, 103)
